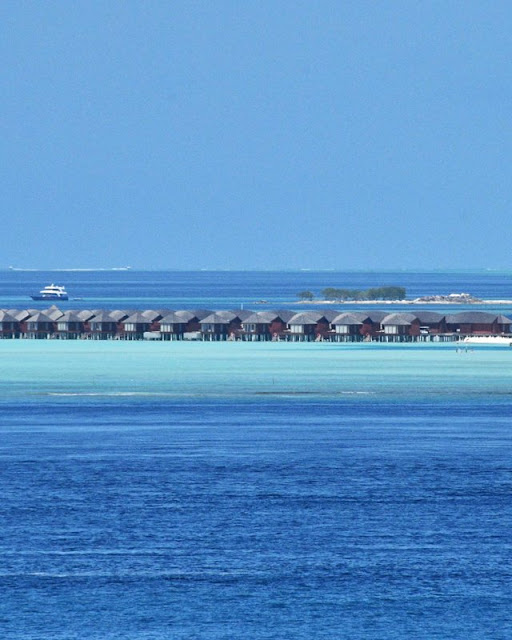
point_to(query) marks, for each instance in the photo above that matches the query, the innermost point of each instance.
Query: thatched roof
(70, 316)
(284, 314)
(102, 317)
(221, 317)
(86, 315)
(136, 318)
(399, 319)
(6, 316)
(54, 312)
(121, 314)
(307, 317)
(20, 314)
(476, 317)
(430, 317)
(152, 314)
(347, 318)
(264, 317)
(200, 314)
(40, 316)
(242, 314)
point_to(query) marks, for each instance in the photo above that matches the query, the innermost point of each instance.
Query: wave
(209, 395)
(73, 269)
(107, 393)
(314, 393)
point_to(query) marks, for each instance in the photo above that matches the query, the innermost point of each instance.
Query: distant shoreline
(414, 302)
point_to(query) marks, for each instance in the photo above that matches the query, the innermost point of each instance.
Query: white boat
(492, 340)
(51, 292)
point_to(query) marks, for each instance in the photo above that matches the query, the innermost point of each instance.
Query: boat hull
(49, 297)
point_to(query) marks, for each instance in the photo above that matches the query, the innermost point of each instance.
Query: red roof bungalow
(70, 326)
(478, 323)
(53, 312)
(21, 318)
(371, 327)
(400, 326)
(347, 327)
(222, 325)
(309, 325)
(174, 325)
(431, 322)
(9, 326)
(39, 325)
(135, 325)
(266, 325)
(103, 326)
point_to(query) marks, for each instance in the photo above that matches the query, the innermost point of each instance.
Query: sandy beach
(415, 302)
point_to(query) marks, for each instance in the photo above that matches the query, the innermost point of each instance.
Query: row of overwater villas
(203, 324)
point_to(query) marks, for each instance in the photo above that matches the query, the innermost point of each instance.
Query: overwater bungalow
(9, 326)
(265, 325)
(172, 326)
(39, 326)
(119, 316)
(86, 316)
(103, 326)
(178, 325)
(432, 323)
(399, 326)
(332, 325)
(478, 323)
(222, 325)
(70, 326)
(371, 320)
(309, 325)
(155, 316)
(135, 325)
(347, 327)
(21, 316)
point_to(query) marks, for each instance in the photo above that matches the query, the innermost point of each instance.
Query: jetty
(248, 325)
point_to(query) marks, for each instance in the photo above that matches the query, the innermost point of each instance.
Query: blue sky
(256, 135)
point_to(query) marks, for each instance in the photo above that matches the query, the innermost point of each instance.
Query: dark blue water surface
(230, 289)
(261, 518)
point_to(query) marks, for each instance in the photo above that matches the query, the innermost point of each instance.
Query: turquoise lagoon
(35, 369)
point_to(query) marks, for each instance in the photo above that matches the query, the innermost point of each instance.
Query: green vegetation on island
(342, 295)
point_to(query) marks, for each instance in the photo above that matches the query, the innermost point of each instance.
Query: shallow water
(255, 490)
(178, 368)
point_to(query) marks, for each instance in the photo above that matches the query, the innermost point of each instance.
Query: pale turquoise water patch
(179, 369)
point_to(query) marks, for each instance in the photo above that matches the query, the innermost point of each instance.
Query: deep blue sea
(253, 490)
(231, 289)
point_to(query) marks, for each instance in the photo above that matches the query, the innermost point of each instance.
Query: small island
(331, 295)
(453, 298)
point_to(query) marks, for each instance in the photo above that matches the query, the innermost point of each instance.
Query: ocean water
(231, 289)
(255, 490)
